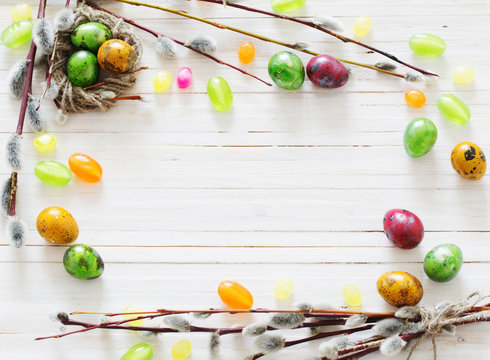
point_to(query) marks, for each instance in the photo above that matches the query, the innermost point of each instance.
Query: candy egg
(400, 288)
(82, 68)
(281, 6)
(45, 143)
(403, 228)
(83, 262)
(21, 12)
(463, 75)
(415, 98)
(469, 160)
(18, 34)
(352, 295)
(427, 45)
(116, 56)
(246, 52)
(220, 94)
(181, 350)
(362, 26)
(454, 109)
(57, 226)
(443, 262)
(235, 295)
(140, 351)
(132, 309)
(184, 77)
(326, 71)
(90, 36)
(53, 173)
(286, 70)
(85, 168)
(420, 136)
(162, 81)
(283, 288)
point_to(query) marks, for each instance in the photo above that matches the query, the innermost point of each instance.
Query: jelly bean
(246, 52)
(132, 309)
(184, 77)
(415, 98)
(18, 34)
(287, 70)
(352, 295)
(362, 26)
(220, 94)
(400, 288)
(82, 68)
(469, 161)
(326, 71)
(140, 351)
(83, 262)
(427, 45)
(463, 75)
(116, 56)
(283, 288)
(443, 262)
(85, 168)
(280, 6)
(453, 109)
(90, 36)
(420, 136)
(21, 12)
(53, 173)
(403, 228)
(45, 143)
(57, 226)
(181, 350)
(235, 295)
(162, 81)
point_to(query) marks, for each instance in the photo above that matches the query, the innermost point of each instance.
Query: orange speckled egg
(57, 226)
(235, 295)
(84, 167)
(400, 288)
(116, 56)
(469, 160)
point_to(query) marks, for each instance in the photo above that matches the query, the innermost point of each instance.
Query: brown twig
(105, 82)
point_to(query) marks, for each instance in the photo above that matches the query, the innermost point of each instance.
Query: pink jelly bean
(184, 77)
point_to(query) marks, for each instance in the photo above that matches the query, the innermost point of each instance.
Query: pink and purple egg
(327, 72)
(403, 228)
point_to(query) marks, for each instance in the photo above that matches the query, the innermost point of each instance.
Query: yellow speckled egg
(400, 288)
(469, 160)
(57, 226)
(116, 56)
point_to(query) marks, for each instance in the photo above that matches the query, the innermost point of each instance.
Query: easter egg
(90, 36)
(57, 226)
(184, 77)
(181, 350)
(403, 228)
(420, 136)
(463, 75)
(18, 34)
(469, 161)
(352, 295)
(219, 93)
(85, 168)
(362, 26)
(427, 45)
(281, 6)
(246, 52)
(83, 262)
(415, 98)
(21, 12)
(82, 68)
(235, 295)
(116, 56)
(453, 108)
(326, 71)
(400, 288)
(287, 70)
(140, 351)
(45, 142)
(283, 288)
(443, 262)
(53, 173)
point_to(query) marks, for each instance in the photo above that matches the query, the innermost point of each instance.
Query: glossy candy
(85, 168)
(453, 109)
(235, 295)
(57, 226)
(21, 12)
(116, 56)
(246, 52)
(403, 228)
(53, 173)
(469, 161)
(415, 98)
(427, 45)
(362, 26)
(90, 36)
(181, 350)
(162, 81)
(280, 6)
(45, 142)
(463, 75)
(283, 288)
(184, 77)
(443, 262)
(83, 262)
(352, 295)
(327, 72)
(140, 351)
(420, 136)
(400, 288)
(82, 68)
(220, 94)
(132, 309)
(287, 70)
(18, 34)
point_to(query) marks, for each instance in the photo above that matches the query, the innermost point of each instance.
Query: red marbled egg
(326, 71)
(403, 228)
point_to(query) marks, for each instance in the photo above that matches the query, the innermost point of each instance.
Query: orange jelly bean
(246, 52)
(235, 295)
(84, 167)
(415, 98)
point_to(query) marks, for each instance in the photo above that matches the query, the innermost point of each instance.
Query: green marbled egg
(83, 68)
(90, 36)
(287, 70)
(443, 262)
(83, 262)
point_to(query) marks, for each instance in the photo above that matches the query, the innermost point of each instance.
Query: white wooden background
(286, 184)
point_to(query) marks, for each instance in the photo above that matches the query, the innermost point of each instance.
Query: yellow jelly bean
(21, 12)
(181, 350)
(362, 26)
(352, 295)
(463, 75)
(162, 81)
(283, 288)
(132, 309)
(45, 143)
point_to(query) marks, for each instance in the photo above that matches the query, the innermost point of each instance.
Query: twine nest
(74, 99)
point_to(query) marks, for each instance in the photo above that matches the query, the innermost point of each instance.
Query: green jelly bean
(141, 351)
(53, 173)
(420, 136)
(220, 94)
(287, 70)
(443, 262)
(18, 34)
(281, 6)
(454, 109)
(83, 262)
(427, 45)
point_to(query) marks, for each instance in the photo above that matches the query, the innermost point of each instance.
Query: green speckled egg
(83, 68)
(287, 70)
(90, 36)
(443, 262)
(83, 262)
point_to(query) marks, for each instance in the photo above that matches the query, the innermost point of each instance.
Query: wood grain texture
(286, 184)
